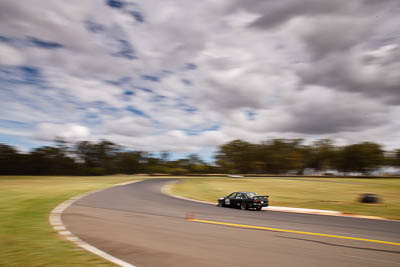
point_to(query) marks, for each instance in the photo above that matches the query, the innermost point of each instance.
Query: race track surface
(140, 225)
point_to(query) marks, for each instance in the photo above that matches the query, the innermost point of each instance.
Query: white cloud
(9, 55)
(261, 69)
(129, 126)
(69, 132)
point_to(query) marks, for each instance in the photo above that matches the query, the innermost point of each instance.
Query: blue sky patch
(187, 108)
(31, 75)
(122, 81)
(251, 115)
(137, 111)
(190, 66)
(129, 93)
(187, 82)
(126, 7)
(205, 154)
(190, 132)
(21, 142)
(4, 39)
(193, 132)
(214, 127)
(24, 74)
(158, 98)
(115, 3)
(104, 107)
(14, 124)
(98, 104)
(30, 71)
(44, 44)
(125, 50)
(151, 78)
(147, 90)
(92, 119)
(94, 27)
(109, 110)
(137, 16)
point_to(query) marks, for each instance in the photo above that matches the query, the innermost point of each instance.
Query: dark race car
(244, 201)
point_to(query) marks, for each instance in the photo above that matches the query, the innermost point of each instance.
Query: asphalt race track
(140, 225)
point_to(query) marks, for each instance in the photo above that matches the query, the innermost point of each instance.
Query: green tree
(395, 159)
(283, 155)
(364, 157)
(9, 160)
(237, 157)
(322, 155)
(128, 163)
(97, 157)
(50, 160)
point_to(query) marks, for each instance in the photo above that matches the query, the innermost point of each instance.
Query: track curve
(140, 225)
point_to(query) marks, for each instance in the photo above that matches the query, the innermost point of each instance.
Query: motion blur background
(187, 77)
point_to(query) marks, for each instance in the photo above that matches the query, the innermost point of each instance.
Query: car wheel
(243, 206)
(220, 204)
(258, 208)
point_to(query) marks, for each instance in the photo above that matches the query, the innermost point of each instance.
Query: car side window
(233, 195)
(239, 196)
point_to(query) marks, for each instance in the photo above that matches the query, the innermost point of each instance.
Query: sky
(187, 76)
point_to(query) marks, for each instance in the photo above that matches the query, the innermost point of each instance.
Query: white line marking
(56, 222)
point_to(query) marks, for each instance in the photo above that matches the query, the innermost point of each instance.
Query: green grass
(303, 192)
(26, 236)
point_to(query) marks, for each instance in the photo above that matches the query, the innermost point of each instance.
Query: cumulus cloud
(69, 132)
(188, 75)
(10, 56)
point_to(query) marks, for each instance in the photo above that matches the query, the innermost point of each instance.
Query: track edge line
(61, 229)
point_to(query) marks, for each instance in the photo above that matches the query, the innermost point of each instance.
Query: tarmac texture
(140, 225)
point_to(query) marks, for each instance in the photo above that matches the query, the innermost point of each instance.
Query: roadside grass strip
(308, 194)
(290, 231)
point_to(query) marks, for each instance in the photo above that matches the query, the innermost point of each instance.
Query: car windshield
(252, 194)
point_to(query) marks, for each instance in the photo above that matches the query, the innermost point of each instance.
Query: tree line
(93, 158)
(275, 156)
(283, 156)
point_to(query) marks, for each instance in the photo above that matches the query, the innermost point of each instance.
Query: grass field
(339, 194)
(26, 236)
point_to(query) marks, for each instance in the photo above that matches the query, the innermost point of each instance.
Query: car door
(229, 200)
(238, 200)
(245, 198)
